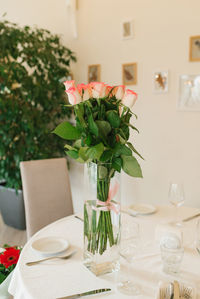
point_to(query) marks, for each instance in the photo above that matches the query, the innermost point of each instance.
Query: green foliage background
(32, 64)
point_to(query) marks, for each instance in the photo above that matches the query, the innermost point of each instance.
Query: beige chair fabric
(46, 191)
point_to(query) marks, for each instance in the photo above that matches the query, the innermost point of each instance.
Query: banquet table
(57, 278)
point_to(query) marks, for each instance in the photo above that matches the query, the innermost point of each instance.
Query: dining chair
(46, 192)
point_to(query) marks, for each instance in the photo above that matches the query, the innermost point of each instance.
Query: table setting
(140, 251)
(71, 277)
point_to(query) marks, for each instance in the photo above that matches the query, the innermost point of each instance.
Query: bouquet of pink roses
(100, 136)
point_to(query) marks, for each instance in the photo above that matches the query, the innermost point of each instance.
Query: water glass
(171, 258)
(129, 248)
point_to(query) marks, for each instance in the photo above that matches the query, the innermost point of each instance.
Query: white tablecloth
(57, 278)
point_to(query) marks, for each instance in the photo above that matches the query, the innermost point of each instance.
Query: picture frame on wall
(127, 29)
(129, 73)
(160, 81)
(94, 73)
(189, 93)
(194, 54)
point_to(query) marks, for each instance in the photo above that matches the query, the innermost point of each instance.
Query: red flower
(10, 256)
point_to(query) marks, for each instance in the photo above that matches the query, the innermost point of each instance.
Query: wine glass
(176, 198)
(129, 247)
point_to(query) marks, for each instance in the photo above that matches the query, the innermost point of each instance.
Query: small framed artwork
(129, 73)
(127, 29)
(160, 81)
(189, 93)
(194, 48)
(94, 73)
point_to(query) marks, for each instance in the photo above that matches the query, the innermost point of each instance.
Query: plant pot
(101, 218)
(12, 207)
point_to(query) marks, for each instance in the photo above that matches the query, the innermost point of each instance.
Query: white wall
(169, 139)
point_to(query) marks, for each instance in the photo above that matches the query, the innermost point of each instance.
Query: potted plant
(33, 64)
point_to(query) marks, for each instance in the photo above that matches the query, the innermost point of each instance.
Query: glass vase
(102, 219)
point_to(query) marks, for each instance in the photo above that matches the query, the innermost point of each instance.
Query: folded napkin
(185, 288)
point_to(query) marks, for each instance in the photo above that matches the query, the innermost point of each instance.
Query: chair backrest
(46, 191)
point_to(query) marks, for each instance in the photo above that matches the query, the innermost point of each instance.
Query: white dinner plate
(50, 245)
(142, 209)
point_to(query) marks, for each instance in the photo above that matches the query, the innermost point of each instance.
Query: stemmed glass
(129, 247)
(176, 198)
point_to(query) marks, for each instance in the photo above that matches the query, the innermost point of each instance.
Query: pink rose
(119, 92)
(69, 84)
(108, 89)
(85, 91)
(74, 96)
(129, 98)
(98, 89)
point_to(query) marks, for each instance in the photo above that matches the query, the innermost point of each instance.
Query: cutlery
(191, 217)
(50, 258)
(187, 292)
(162, 294)
(133, 214)
(85, 294)
(79, 218)
(167, 293)
(171, 287)
(176, 290)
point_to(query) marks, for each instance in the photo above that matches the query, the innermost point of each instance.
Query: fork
(52, 257)
(187, 292)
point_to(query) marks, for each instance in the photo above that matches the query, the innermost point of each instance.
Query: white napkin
(163, 286)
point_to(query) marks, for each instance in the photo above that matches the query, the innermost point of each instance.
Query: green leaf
(104, 127)
(132, 127)
(92, 125)
(77, 144)
(2, 277)
(79, 111)
(82, 153)
(102, 172)
(133, 149)
(131, 166)
(121, 149)
(95, 152)
(72, 154)
(113, 118)
(66, 131)
(69, 147)
(106, 156)
(117, 164)
(88, 140)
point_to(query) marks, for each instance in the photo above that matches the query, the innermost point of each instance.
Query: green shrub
(33, 64)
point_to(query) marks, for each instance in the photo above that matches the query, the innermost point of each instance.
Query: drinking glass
(129, 247)
(171, 258)
(176, 198)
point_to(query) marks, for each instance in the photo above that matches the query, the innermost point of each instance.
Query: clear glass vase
(102, 219)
